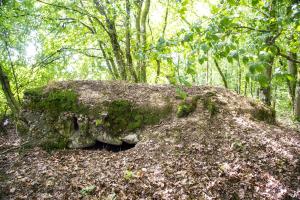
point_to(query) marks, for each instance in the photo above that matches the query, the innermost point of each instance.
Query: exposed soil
(229, 155)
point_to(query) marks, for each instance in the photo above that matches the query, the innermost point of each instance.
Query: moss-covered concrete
(265, 114)
(210, 105)
(65, 122)
(187, 106)
(53, 102)
(124, 116)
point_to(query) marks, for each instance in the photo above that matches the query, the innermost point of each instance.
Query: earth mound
(209, 144)
(77, 114)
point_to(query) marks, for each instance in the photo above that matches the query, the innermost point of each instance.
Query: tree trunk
(297, 96)
(246, 88)
(221, 73)
(144, 38)
(158, 62)
(265, 92)
(11, 101)
(207, 70)
(111, 66)
(297, 101)
(128, 44)
(113, 36)
(239, 75)
(292, 70)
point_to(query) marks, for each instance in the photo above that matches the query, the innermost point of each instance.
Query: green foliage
(88, 190)
(128, 175)
(181, 94)
(244, 36)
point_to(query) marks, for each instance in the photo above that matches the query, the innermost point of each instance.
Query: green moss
(53, 102)
(187, 106)
(125, 116)
(210, 106)
(60, 142)
(264, 114)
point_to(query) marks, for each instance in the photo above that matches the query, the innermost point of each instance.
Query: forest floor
(226, 156)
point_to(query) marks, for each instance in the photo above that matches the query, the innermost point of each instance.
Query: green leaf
(232, 2)
(263, 81)
(202, 59)
(204, 47)
(225, 21)
(230, 60)
(188, 37)
(245, 59)
(190, 70)
(256, 67)
(254, 2)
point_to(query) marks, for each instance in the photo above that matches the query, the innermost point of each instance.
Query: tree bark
(11, 101)
(221, 73)
(112, 33)
(128, 43)
(297, 100)
(158, 61)
(110, 63)
(265, 92)
(297, 95)
(292, 70)
(144, 16)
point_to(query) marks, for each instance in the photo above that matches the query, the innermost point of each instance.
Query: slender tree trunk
(11, 101)
(144, 38)
(274, 99)
(297, 95)
(113, 36)
(139, 4)
(207, 70)
(118, 52)
(111, 67)
(128, 44)
(297, 100)
(251, 88)
(13, 71)
(292, 70)
(221, 73)
(158, 62)
(239, 74)
(246, 88)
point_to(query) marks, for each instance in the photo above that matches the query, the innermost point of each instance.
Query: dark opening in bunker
(75, 123)
(110, 147)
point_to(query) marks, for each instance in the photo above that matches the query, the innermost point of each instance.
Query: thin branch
(77, 11)
(253, 29)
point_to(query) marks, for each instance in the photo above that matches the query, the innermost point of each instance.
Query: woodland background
(248, 46)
